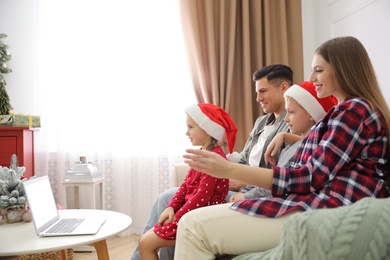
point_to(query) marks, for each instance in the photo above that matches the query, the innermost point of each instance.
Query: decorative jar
(13, 214)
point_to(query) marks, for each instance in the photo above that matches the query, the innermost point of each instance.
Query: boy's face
(297, 118)
(270, 97)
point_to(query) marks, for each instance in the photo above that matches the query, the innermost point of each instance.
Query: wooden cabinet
(19, 141)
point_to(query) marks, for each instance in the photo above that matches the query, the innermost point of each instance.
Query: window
(112, 75)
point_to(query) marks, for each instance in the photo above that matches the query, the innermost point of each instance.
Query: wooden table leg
(64, 254)
(101, 250)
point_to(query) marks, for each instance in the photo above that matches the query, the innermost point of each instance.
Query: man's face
(270, 97)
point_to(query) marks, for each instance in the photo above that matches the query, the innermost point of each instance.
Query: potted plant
(13, 201)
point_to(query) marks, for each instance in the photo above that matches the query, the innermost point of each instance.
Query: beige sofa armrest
(178, 173)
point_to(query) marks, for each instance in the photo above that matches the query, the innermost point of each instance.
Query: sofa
(359, 231)
(177, 174)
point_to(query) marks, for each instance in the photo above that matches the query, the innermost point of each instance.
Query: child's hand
(167, 216)
(273, 148)
(235, 185)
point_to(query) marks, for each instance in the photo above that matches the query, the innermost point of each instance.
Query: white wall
(17, 21)
(315, 28)
(367, 20)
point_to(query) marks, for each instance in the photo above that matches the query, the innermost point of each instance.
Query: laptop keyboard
(66, 225)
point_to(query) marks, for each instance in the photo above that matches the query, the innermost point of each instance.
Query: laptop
(45, 214)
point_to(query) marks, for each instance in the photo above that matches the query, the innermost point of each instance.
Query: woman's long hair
(355, 74)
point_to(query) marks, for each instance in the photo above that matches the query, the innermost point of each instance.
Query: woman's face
(323, 78)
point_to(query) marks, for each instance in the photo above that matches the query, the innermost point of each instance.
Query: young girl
(207, 126)
(342, 159)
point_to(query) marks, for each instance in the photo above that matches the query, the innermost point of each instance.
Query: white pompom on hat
(215, 121)
(306, 95)
(233, 157)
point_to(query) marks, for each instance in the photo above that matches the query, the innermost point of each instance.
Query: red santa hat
(306, 96)
(215, 121)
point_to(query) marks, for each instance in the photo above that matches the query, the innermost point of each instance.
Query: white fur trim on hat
(307, 101)
(213, 129)
(233, 157)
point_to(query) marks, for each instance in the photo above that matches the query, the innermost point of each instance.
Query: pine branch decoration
(5, 56)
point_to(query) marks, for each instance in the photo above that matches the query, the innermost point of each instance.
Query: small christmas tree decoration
(5, 56)
(13, 201)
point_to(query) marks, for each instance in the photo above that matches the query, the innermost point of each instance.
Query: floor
(118, 247)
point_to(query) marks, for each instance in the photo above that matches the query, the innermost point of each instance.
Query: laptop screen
(41, 201)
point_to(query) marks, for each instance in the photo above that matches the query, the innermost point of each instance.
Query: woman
(340, 161)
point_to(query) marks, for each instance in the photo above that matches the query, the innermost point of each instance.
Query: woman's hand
(215, 165)
(167, 216)
(207, 162)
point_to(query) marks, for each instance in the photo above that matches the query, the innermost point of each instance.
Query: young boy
(304, 110)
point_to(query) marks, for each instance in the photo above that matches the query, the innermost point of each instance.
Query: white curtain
(112, 83)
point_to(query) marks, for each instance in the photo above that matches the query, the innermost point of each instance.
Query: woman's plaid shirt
(341, 160)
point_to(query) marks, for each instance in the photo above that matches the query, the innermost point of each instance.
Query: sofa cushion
(359, 231)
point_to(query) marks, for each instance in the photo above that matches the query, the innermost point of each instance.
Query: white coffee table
(20, 238)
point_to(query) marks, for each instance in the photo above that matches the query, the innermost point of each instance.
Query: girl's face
(197, 135)
(297, 118)
(323, 78)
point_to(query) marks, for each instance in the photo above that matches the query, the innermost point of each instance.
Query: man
(271, 83)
